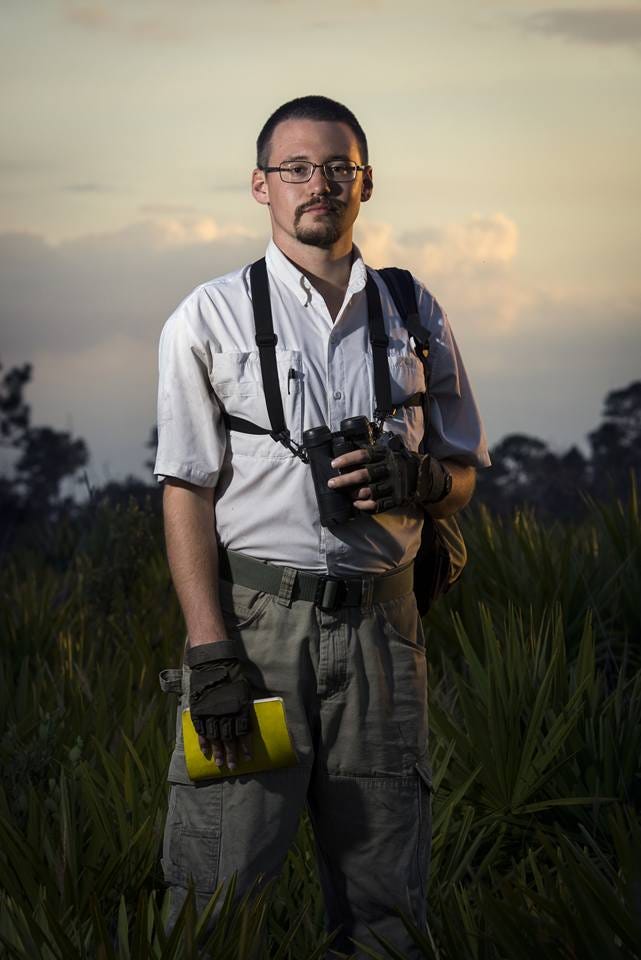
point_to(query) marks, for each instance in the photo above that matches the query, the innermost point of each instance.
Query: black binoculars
(322, 446)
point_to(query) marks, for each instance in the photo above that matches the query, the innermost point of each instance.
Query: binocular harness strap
(266, 341)
(400, 284)
(380, 342)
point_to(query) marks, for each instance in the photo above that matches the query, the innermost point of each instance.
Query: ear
(368, 184)
(260, 190)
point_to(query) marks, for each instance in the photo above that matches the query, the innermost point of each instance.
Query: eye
(340, 168)
(297, 169)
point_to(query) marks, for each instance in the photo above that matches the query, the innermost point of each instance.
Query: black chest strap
(266, 341)
(380, 342)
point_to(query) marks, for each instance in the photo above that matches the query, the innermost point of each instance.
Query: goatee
(323, 233)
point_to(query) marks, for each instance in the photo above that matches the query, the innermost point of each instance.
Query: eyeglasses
(300, 171)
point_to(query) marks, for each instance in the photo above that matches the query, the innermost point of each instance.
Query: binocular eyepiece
(322, 446)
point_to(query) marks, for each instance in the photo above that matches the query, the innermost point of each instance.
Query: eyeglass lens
(299, 171)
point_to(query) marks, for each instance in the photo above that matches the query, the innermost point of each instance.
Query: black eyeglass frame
(316, 166)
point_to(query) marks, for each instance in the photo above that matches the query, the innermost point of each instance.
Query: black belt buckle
(330, 593)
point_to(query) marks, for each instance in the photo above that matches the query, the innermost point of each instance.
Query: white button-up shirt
(265, 503)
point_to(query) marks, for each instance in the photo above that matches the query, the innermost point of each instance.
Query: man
(350, 668)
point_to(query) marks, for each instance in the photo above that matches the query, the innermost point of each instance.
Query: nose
(320, 173)
(322, 184)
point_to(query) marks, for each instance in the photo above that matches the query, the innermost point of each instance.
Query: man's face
(318, 213)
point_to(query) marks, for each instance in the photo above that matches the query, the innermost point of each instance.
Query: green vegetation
(536, 742)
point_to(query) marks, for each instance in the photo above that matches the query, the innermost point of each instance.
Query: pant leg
(370, 795)
(238, 825)
(245, 824)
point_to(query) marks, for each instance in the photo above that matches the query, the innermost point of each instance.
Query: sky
(505, 139)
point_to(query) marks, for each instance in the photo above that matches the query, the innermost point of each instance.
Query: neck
(326, 269)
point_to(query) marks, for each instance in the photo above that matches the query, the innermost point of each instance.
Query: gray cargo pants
(355, 690)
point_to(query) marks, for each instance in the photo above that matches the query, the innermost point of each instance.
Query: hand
(354, 474)
(388, 475)
(219, 702)
(387, 478)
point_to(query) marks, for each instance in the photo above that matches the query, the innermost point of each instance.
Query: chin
(323, 238)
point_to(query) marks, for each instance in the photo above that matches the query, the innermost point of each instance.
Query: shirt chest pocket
(406, 375)
(238, 384)
(407, 378)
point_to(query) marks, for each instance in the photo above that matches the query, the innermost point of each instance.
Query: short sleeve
(191, 434)
(456, 429)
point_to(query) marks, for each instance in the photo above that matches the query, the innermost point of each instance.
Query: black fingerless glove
(398, 476)
(219, 694)
(434, 482)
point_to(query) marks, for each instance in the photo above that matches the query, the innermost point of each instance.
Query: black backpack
(442, 554)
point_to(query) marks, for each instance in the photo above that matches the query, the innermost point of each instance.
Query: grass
(535, 700)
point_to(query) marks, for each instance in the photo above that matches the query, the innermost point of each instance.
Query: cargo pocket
(403, 669)
(400, 621)
(424, 818)
(191, 843)
(176, 680)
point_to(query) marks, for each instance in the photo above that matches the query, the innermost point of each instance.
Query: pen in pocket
(291, 375)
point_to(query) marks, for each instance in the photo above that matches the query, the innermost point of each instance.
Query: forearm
(190, 536)
(463, 483)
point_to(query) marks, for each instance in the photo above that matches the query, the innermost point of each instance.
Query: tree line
(526, 471)
(40, 463)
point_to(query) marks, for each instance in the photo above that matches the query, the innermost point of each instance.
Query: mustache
(334, 205)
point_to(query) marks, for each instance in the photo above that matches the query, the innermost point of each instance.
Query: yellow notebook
(271, 744)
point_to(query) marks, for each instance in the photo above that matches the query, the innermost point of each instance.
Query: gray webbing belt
(328, 593)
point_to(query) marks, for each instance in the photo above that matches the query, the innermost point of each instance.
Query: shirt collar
(285, 271)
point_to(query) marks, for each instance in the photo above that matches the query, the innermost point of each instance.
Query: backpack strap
(400, 284)
(380, 341)
(433, 561)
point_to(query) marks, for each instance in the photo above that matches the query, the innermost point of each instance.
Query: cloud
(550, 377)
(166, 209)
(188, 230)
(98, 18)
(81, 292)
(88, 314)
(230, 186)
(602, 26)
(90, 16)
(490, 239)
(105, 393)
(88, 187)
(468, 266)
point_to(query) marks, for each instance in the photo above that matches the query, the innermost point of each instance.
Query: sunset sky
(506, 145)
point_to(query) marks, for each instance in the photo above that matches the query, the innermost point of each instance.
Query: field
(535, 712)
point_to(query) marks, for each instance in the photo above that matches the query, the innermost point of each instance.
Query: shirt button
(337, 394)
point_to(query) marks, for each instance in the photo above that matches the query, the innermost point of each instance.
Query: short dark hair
(308, 108)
